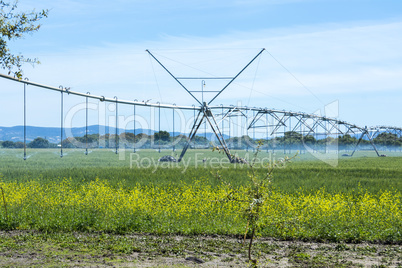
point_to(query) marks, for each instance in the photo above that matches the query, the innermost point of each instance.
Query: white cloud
(336, 60)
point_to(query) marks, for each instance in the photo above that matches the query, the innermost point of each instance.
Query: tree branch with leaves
(15, 25)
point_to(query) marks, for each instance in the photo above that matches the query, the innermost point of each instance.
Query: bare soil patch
(37, 249)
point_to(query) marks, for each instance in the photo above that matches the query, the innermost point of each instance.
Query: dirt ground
(36, 249)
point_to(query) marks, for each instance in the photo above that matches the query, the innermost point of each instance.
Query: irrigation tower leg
(193, 131)
(206, 113)
(371, 141)
(219, 135)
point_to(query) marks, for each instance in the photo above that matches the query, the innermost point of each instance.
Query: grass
(372, 173)
(358, 200)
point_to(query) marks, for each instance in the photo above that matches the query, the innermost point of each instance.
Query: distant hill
(52, 134)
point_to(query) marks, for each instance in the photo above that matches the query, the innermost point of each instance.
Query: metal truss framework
(274, 122)
(309, 124)
(377, 130)
(306, 124)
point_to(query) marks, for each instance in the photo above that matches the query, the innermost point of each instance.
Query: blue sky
(320, 51)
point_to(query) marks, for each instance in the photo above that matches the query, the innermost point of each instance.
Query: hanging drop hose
(86, 125)
(61, 121)
(134, 128)
(117, 125)
(25, 120)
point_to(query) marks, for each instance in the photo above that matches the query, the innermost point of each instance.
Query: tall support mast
(205, 114)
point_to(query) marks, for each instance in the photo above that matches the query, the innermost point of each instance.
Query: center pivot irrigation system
(275, 122)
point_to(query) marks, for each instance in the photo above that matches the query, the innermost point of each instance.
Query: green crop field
(353, 199)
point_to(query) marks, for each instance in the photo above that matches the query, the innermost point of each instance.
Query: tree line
(295, 140)
(36, 143)
(163, 139)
